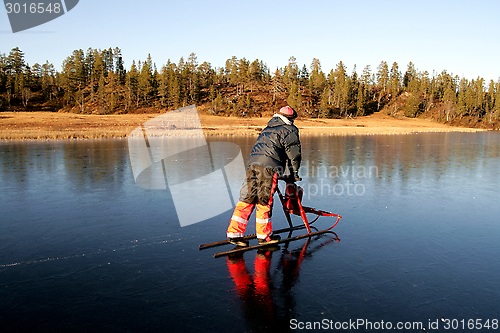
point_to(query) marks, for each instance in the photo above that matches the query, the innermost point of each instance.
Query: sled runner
(291, 201)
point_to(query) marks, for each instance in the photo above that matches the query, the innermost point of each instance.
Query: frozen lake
(83, 248)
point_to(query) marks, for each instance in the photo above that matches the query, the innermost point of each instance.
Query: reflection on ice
(419, 243)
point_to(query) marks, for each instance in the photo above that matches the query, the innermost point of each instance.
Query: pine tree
(341, 86)
(294, 97)
(277, 86)
(163, 87)
(394, 86)
(325, 105)
(364, 92)
(352, 108)
(291, 72)
(317, 81)
(3, 72)
(450, 101)
(132, 86)
(16, 73)
(74, 79)
(303, 76)
(382, 77)
(175, 92)
(412, 105)
(113, 91)
(190, 74)
(206, 76)
(174, 97)
(410, 74)
(48, 79)
(382, 83)
(496, 105)
(462, 107)
(256, 73)
(119, 66)
(145, 87)
(478, 107)
(425, 91)
(231, 70)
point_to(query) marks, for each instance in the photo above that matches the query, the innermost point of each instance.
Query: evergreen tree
(132, 87)
(364, 92)
(303, 76)
(410, 74)
(352, 108)
(412, 106)
(382, 77)
(74, 79)
(489, 103)
(394, 86)
(450, 101)
(382, 83)
(16, 73)
(206, 76)
(278, 87)
(256, 73)
(425, 91)
(231, 70)
(3, 72)
(317, 81)
(462, 107)
(145, 87)
(294, 97)
(190, 75)
(291, 72)
(496, 105)
(325, 105)
(341, 86)
(119, 66)
(479, 98)
(48, 80)
(163, 88)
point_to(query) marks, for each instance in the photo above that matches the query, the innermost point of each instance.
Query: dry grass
(47, 125)
(371, 125)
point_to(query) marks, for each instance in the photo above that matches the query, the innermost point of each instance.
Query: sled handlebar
(289, 179)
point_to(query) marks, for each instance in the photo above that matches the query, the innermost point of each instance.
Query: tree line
(96, 81)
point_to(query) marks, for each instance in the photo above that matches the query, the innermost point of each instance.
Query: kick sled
(291, 202)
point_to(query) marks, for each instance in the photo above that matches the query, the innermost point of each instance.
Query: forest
(96, 81)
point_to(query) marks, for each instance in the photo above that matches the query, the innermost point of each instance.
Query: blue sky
(461, 37)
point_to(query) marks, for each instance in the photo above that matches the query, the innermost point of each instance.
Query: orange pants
(258, 190)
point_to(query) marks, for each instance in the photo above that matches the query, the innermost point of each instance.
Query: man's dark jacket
(278, 143)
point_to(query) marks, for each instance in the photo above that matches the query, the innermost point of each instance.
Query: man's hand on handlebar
(292, 178)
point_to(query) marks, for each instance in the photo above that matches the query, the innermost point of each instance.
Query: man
(276, 148)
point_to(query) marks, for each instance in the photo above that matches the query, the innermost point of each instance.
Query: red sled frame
(291, 202)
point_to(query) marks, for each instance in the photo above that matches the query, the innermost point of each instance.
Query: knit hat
(288, 112)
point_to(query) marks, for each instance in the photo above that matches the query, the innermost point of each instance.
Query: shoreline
(19, 126)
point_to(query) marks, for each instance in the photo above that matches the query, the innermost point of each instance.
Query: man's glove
(296, 177)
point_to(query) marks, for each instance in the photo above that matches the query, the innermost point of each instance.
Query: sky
(461, 37)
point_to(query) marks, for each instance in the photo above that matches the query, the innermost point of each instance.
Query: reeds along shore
(63, 126)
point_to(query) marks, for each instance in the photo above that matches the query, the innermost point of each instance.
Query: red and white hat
(288, 112)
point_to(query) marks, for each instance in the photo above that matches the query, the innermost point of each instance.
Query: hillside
(96, 82)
